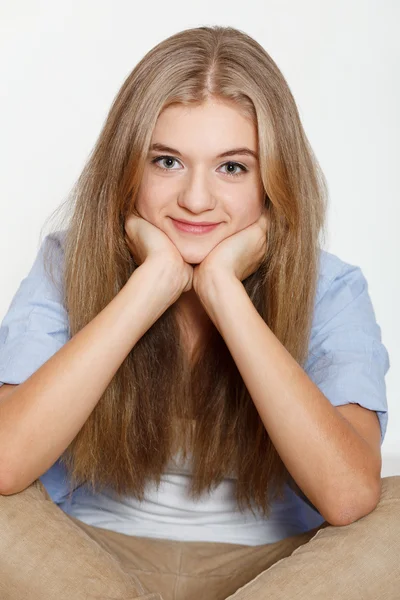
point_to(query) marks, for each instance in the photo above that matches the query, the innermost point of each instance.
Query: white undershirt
(170, 513)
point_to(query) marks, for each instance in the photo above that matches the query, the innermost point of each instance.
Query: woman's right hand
(147, 242)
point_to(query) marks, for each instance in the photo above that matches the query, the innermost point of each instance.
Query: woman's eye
(242, 168)
(158, 159)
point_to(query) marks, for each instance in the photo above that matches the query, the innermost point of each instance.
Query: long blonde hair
(150, 407)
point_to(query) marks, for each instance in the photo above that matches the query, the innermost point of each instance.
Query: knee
(390, 488)
(34, 492)
(42, 490)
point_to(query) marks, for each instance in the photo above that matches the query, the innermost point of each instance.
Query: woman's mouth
(193, 228)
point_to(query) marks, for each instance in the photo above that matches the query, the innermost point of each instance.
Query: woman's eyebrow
(245, 151)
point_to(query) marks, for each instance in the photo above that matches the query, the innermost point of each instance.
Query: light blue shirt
(347, 359)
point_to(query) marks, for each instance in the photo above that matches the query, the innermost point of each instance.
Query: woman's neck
(193, 319)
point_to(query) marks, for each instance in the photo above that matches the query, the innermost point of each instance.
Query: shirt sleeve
(36, 324)
(347, 359)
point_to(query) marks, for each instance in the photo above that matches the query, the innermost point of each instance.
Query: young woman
(193, 391)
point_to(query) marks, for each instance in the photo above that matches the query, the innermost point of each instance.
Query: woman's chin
(193, 260)
(194, 255)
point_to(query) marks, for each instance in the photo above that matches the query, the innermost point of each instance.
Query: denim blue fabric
(347, 359)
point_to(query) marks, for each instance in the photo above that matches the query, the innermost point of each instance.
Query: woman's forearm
(326, 457)
(41, 416)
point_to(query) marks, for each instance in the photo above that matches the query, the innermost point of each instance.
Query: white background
(62, 63)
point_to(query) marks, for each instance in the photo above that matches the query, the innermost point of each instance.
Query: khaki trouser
(47, 555)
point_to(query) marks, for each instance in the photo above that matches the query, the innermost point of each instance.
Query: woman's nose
(196, 193)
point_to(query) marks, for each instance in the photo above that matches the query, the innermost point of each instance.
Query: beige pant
(47, 555)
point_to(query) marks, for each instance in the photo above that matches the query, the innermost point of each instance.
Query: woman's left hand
(239, 255)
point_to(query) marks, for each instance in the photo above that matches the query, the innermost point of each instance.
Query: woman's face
(191, 182)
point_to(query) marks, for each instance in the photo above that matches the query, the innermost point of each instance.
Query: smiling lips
(196, 228)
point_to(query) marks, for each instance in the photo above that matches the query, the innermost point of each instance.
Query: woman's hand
(147, 243)
(239, 255)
